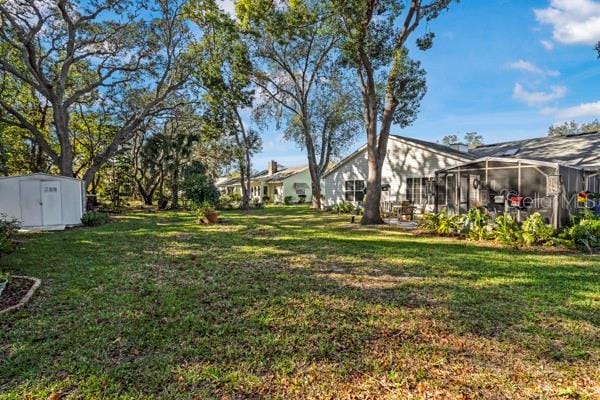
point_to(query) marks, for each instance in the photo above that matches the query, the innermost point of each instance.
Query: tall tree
(97, 52)
(225, 75)
(473, 139)
(598, 48)
(450, 139)
(293, 44)
(375, 35)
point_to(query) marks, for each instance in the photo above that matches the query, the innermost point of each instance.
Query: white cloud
(548, 44)
(534, 99)
(573, 21)
(583, 110)
(530, 67)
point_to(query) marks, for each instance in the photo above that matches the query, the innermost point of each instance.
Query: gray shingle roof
(436, 146)
(573, 150)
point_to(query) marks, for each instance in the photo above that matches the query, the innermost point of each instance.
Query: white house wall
(403, 160)
(301, 177)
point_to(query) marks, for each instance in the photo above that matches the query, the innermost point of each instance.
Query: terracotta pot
(212, 217)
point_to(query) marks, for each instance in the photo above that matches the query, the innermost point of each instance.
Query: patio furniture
(406, 209)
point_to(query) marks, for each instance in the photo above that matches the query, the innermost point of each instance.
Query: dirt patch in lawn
(16, 289)
(18, 292)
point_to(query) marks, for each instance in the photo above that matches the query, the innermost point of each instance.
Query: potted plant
(206, 212)
(4, 279)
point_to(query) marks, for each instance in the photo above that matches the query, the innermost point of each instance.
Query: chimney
(463, 148)
(272, 167)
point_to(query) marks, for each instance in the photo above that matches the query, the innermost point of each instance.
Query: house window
(354, 190)
(265, 190)
(420, 190)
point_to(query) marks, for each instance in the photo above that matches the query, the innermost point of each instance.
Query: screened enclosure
(512, 186)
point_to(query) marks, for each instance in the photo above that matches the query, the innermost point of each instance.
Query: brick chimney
(272, 167)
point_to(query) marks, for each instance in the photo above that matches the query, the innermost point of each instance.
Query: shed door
(51, 203)
(31, 203)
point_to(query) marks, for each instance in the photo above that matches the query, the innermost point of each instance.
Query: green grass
(288, 303)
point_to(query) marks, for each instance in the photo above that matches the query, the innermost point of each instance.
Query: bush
(478, 224)
(197, 186)
(95, 218)
(229, 202)
(344, 208)
(507, 231)
(585, 235)
(287, 200)
(203, 209)
(266, 199)
(536, 231)
(8, 231)
(442, 223)
(301, 198)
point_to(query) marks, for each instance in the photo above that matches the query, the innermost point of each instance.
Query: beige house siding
(403, 160)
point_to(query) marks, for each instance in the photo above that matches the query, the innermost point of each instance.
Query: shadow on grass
(158, 305)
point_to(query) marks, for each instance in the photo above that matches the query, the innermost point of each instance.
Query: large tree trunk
(372, 214)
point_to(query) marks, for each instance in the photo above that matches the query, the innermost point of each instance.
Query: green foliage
(536, 231)
(198, 188)
(229, 201)
(478, 224)
(95, 218)
(507, 231)
(287, 200)
(585, 235)
(301, 198)
(346, 208)
(442, 223)
(204, 208)
(8, 231)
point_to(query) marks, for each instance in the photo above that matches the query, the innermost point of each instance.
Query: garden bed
(17, 292)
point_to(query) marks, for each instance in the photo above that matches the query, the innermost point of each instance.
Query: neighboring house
(541, 175)
(275, 183)
(43, 201)
(408, 173)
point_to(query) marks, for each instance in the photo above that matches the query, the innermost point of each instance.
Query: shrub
(8, 231)
(450, 224)
(536, 231)
(266, 199)
(301, 198)
(585, 235)
(197, 186)
(344, 208)
(507, 231)
(478, 224)
(204, 208)
(287, 200)
(229, 201)
(95, 218)
(442, 223)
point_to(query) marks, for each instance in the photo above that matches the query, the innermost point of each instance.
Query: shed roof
(41, 175)
(578, 150)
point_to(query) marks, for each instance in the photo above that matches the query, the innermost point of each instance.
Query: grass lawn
(288, 303)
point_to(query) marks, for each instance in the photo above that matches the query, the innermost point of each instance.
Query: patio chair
(406, 209)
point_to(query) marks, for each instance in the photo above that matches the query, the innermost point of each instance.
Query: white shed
(42, 200)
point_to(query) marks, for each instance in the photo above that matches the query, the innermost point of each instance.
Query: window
(354, 190)
(266, 190)
(420, 190)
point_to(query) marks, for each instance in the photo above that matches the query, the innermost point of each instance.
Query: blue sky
(507, 69)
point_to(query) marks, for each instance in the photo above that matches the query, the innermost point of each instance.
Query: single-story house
(275, 184)
(409, 172)
(542, 175)
(43, 201)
